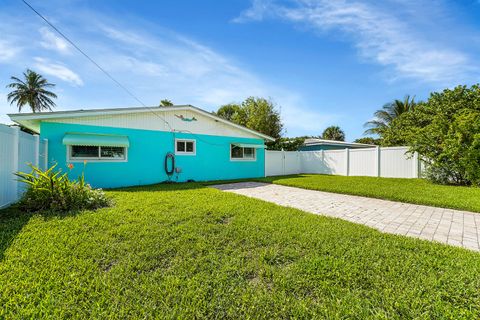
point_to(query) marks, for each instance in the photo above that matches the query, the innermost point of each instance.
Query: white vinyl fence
(17, 150)
(391, 162)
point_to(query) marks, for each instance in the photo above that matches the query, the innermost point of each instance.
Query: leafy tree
(388, 113)
(31, 91)
(262, 116)
(255, 113)
(403, 129)
(445, 131)
(165, 103)
(287, 144)
(333, 133)
(368, 140)
(232, 112)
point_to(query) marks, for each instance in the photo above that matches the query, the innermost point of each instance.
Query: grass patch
(187, 251)
(418, 191)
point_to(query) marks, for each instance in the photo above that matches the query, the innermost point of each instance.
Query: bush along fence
(18, 149)
(391, 162)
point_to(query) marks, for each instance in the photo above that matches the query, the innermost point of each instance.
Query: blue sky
(323, 62)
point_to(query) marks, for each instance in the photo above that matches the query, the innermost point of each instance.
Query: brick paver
(458, 228)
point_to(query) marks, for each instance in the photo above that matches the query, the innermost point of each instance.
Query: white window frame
(186, 153)
(242, 159)
(94, 159)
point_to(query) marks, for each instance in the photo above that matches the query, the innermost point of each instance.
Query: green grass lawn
(417, 191)
(188, 251)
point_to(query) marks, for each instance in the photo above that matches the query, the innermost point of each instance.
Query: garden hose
(169, 156)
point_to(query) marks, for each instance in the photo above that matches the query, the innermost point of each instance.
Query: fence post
(347, 161)
(323, 162)
(415, 165)
(264, 159)
(15, 152)
(36, 159)
(378, 161)
(299, 163)
(283, 162)
(45, 153)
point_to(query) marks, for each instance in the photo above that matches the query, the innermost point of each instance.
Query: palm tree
(165, 103)
(388, 113)
(32, 91)
(333, 133)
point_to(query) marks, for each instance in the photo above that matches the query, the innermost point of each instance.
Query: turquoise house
(139, 146)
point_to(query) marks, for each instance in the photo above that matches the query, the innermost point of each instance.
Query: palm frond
(388, 113)
(31, 91)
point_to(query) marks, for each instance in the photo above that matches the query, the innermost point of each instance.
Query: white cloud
(174, 54)
(8, 50)
(179, 66)
(257, 12)
(133, 65)
(189, 72)
(379, 36)
(53, 42)
(58, 70)
(153, 63)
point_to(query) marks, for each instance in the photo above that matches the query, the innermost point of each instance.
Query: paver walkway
(458, 228)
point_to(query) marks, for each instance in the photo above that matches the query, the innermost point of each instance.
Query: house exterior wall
(146, 155)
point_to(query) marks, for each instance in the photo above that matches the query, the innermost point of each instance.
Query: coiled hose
(170, 171)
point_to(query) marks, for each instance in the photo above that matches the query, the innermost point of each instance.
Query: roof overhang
(32, 120)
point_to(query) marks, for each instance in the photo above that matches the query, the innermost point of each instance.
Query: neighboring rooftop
(323, 142)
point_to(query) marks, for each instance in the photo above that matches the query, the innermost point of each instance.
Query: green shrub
(445, 131)
(52, 190)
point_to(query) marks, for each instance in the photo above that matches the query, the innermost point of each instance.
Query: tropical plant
(402, 130)
(165, 103)
(31, 91)
(333, 133)
(388, 113)
(54, 191)
(445, 132)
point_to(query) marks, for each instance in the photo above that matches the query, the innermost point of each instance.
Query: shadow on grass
(174, 186)
(12, 221)
(265, 180)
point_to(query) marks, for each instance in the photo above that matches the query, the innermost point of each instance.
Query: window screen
(97, 153)
(242, 153)
(185, 146)
(84, 152)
